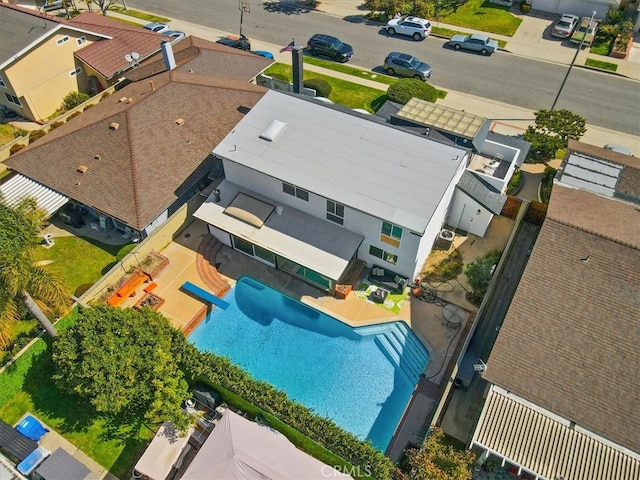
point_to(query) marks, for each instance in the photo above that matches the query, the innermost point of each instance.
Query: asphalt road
(602, 99)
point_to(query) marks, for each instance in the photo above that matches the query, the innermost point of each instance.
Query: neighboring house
(138, 155)
(565, 389)
(43, 57)
(481, 191)
(309, 188)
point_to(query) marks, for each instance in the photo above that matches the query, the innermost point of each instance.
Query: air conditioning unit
(445, 239)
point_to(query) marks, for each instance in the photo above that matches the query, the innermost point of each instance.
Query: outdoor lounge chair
(387, 279)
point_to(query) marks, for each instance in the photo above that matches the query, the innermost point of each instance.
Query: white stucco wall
(468, 215)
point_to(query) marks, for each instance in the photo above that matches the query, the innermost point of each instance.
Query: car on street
(618, 148)
(586, 30)
(565, 26)
(157, 27)
(328, 46)
(476, 43)
(418, 28)
(406, 65)
(241, 43)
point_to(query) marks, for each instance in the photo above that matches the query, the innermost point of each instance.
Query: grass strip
(592, 62)
(138, 14)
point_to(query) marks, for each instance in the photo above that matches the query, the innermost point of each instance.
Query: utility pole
(578, 50)
(243, 7)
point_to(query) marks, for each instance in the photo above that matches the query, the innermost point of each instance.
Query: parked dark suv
(329, 46)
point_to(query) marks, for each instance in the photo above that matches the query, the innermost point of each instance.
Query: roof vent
(123, 99)
(82, 168)
(179, 121)
(273, 130)
(114, 126)
(98, 156)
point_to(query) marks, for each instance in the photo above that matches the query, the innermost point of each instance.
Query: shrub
(105, 95)
(55, 125)
(515, 182)
(479, 275)
(16, 148)
(35, 135)
(407, 88)
(73, 99)
(547, 183)
(320, 85)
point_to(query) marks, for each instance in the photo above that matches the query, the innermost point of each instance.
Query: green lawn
(352, 95)
(27, 387)
(79, 261)
(6, 133)
(601, 45)
(345, 93)
(141, 15)
(482, 15)
(592, 62)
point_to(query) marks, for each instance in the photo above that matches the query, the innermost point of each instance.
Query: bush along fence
(216, 370)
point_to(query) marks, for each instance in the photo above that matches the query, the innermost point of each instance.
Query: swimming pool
(361, 378)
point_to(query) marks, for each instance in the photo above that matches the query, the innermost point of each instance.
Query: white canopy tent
(240, 449)
(163, 452)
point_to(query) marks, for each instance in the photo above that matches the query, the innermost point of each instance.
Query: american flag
(289, 47)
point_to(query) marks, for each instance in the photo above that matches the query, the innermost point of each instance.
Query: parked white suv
(415, 27)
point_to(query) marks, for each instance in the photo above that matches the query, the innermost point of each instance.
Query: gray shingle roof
(482, 192)
(149, 160)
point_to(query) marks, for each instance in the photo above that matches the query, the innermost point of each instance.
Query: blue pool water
(361, 378)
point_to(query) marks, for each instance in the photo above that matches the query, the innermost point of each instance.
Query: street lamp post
(578, 50)
(243, 7)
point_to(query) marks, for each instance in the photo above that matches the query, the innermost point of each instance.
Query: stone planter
(153, 265)
(621, 47)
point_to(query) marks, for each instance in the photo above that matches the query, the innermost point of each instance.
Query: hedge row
(220, 371)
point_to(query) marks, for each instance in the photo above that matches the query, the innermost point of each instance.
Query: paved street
(528, 76)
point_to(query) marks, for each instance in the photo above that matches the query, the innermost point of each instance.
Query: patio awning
(547, 445)
(306, 240)
(19, 187)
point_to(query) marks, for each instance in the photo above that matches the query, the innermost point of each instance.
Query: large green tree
(127, 363)
(22, 281)
(438, 461)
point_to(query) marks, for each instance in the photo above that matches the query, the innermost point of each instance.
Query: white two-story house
(308, 189)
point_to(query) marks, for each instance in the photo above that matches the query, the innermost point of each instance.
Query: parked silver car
(475, 43)
(157, 27)
(406, 65)
(565, 26)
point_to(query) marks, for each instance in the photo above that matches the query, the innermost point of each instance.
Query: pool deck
(442, 339)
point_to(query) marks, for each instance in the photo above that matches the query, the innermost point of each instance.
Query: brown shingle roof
(569, 341)
(107, 56)
(196, 55)
(148, 160)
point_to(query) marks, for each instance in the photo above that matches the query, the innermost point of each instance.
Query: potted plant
(490, 465)
(525, 6)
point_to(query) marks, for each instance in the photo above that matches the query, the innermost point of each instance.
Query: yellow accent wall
(41, 78)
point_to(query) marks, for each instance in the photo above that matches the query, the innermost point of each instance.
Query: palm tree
(22, 281)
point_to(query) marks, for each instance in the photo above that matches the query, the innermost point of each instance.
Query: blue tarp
(34, 459)
(31, 428)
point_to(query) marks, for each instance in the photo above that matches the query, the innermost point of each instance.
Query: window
(82, 40)
(13, 99)
(391, 234)
(381, 254)
(2, 84)
(62, 40)
(335, 212)
(295, 191)
(76, 72)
